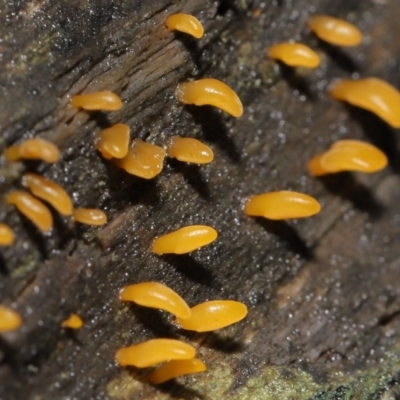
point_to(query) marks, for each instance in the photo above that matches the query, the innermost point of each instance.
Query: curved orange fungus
(32, 208)
(189, 150)
(294, 55)
(185, 23)
(153, 352)
(113, 142)
(156, 295)
(210, 92)
(213, 315)
(175, 368)
(90, 216)
(33, 149)
(335, 31)
(282, 205)
(105, 100)
(184, 240)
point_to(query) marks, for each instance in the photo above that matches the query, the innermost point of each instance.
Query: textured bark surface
(323, 293)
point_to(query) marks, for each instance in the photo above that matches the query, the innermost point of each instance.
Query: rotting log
(323, 293)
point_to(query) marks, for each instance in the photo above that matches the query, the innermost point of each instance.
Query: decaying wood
(323, 293)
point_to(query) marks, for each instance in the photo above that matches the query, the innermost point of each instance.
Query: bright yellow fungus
(213, 315)
(90, 216)
(73, 322)
(210, 92)
(348, 155)
(185, 23)
(9, 319)
(6, 235)
(374, 95)
(105, 100)
(145, 160)
(32, 208)
(153, 352)
(294, 55)
(49, 191)
(33, 149)
(156, 295)
(113, 142)
(282, 205)
(175, 368)
(185, 240)
(335, 31)
(189, 150)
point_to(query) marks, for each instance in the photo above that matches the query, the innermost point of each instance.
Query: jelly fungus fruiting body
(335, 31)
(372, 94)
(189, 150)
(98, 101)
(155, 351)
(6, 235)
(185, 23)
(144, 160)
(33, 149)
(184, 240)
(74, 321)
(213, 315)
(90, 216)
(282, 205)
(211, 92)
(49, 191)
(113, 142)
(32, 208)
(348, 155)
(156, 295)
(9, 319)
(175, 368)
(294, 55)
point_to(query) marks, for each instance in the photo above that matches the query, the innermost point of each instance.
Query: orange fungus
(189, 150)
(90, 216)
(32, 208)
(73, 322)
(104, 100)
(294, 55)
(282, 205)
(213, 315)
(184, 240)
(335, 31)
(156, 295)
(9, 319)
(49, 191)
(155, 351)
(175, 368)
(185, 23)
(211, 92)
(33, 149)
(6, 235)
(113, 142)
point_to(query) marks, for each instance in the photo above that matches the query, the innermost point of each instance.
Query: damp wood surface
(323, 293)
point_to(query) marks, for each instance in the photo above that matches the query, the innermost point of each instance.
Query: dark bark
(323, 293)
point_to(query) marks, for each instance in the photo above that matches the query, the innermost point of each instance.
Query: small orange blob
(145, 160)
(294, 55)
(9, 319)
(32, 208)
(184, 240)
(372, 94)
(33, 149)
(213, 315)
(211, 92)
(175, 368)
(153, 352)
(105, 100)
(185, 23)
(156, 295)
(90, 216)
(49, 191)
(189, 150)
(348, 155)
(73, 321)
(6, 235)
(335, 31)
(113, 142)
(282, 205)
